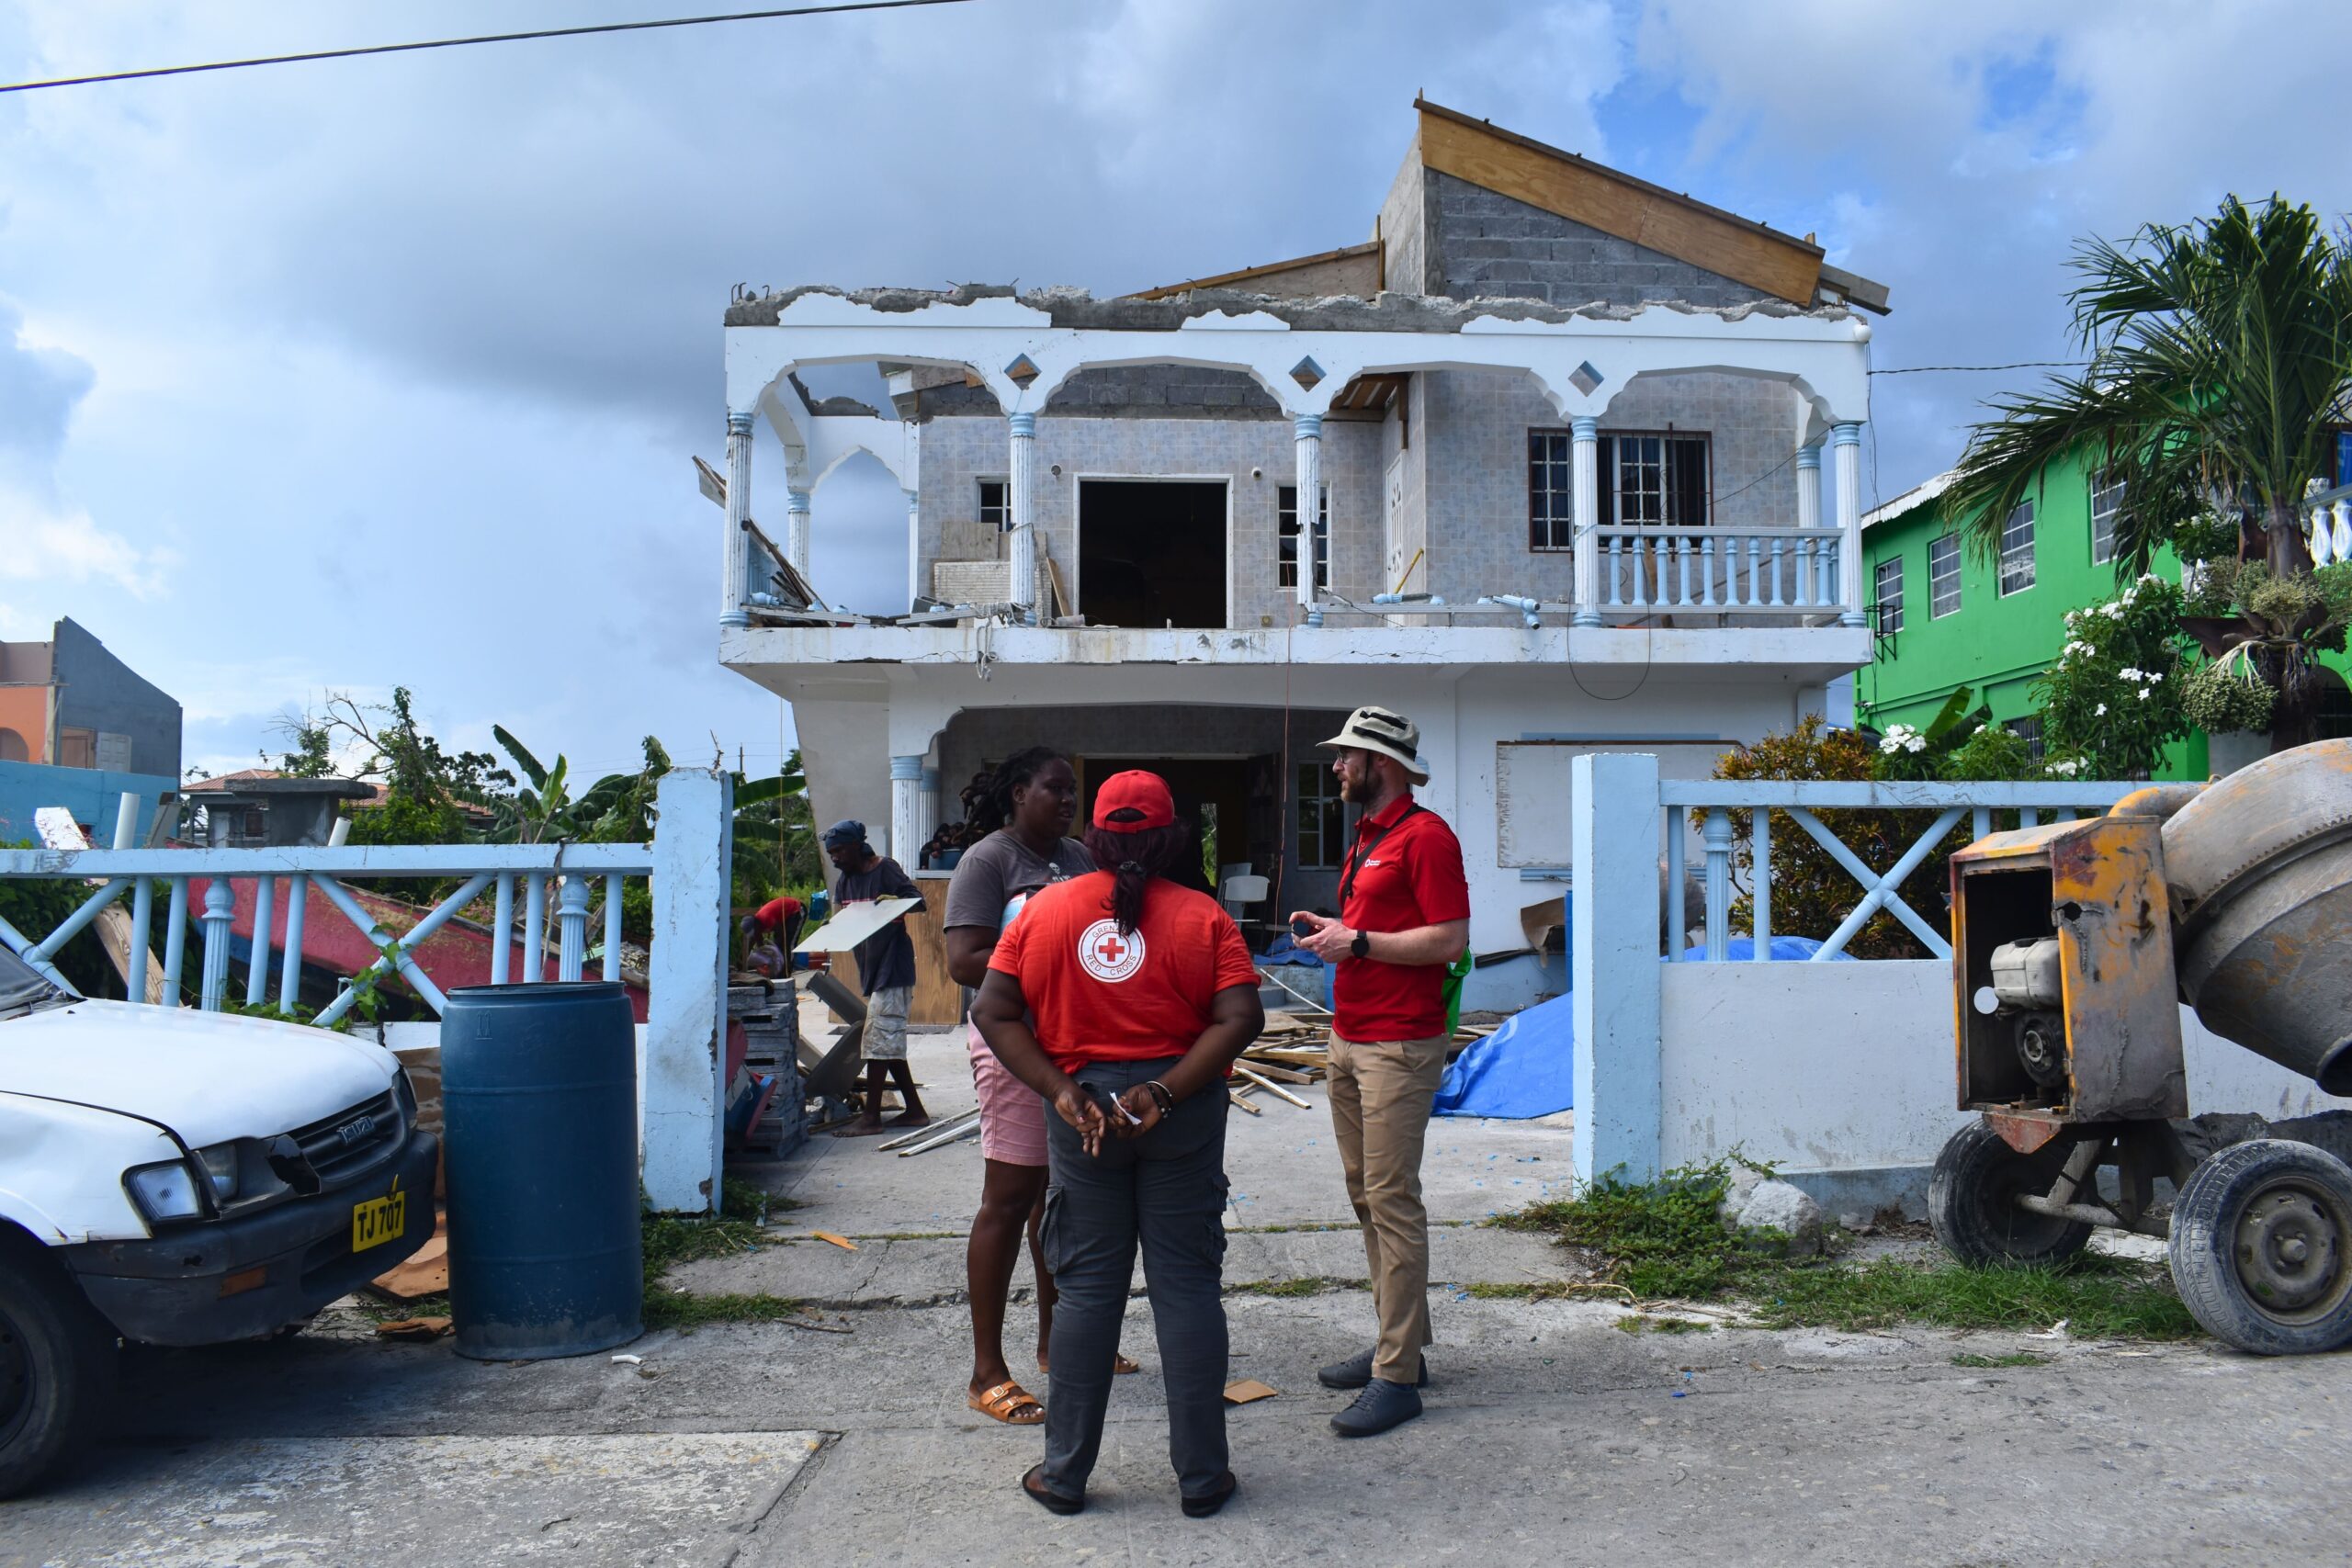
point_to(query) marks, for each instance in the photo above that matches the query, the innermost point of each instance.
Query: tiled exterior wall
(1474, 426)
(958, 453)
(1484, 244)
(1463, 480)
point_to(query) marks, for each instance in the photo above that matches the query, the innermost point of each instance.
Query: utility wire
(486, 38)
(2020, 364)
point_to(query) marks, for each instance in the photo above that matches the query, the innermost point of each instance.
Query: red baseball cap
(1136, 791)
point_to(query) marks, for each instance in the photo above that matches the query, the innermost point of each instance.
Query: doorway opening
(1151, 552)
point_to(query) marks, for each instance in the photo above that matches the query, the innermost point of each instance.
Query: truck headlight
(220, 1162)
(166, 1192)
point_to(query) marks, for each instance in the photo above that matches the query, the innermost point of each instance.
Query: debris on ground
(1248, 1391)
(413, 1328)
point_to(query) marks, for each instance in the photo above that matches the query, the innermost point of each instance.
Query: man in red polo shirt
(1404, 917)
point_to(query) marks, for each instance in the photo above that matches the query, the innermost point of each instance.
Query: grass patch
(376, 1309)
(1308, 1285)
(671, 1239)
(1662, 1239)
(2014, 1358)
(1637, 1325)
(2099, 1297)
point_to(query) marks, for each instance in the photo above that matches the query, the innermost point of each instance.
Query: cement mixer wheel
(1972, 1202)
(2262, 1247)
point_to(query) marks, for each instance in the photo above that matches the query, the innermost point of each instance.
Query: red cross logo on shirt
(1107, 954)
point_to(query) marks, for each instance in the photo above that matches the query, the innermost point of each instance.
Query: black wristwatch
(1361, 946)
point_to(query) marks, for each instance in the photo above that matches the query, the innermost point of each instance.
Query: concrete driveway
(1553, 1435)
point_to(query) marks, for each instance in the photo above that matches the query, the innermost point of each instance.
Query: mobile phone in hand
(1301, 927)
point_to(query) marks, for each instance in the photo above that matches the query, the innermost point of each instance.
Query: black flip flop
(1054, 1502)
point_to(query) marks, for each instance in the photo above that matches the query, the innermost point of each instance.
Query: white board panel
(1534, 796)
(853, 924)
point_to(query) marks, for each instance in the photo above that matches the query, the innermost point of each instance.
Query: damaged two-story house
(1538, 464)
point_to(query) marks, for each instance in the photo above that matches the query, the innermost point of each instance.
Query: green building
(1946, 618)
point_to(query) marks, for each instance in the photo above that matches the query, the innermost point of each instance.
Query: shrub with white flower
(2111, 700)
(1901, 737)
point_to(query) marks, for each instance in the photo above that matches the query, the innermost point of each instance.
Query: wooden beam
(1589, 192)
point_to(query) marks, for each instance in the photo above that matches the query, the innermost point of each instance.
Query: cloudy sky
(344, 376)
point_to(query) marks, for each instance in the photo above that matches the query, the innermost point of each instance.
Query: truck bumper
(238, 1278)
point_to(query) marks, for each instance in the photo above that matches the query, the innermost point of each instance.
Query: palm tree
(2221, 355)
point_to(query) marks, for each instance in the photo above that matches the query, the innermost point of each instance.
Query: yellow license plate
(377, 1221)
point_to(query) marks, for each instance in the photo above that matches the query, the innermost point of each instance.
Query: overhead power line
(485, 37)
(2017, 364)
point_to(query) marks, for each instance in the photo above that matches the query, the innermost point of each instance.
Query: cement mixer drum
(2259, 870)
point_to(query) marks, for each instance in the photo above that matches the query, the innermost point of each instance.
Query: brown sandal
(1010, 1402)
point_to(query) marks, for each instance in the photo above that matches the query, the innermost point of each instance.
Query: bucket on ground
(538, 1087)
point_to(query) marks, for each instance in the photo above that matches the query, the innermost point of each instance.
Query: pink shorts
(1013, 1115)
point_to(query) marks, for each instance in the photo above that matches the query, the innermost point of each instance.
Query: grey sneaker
(1356, 1371)
(1381, 1406)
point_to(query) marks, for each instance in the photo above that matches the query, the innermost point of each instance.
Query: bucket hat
(1391, 734)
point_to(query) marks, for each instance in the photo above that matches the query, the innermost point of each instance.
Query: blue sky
(377, 372)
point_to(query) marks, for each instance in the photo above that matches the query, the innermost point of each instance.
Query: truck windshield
(19, 982)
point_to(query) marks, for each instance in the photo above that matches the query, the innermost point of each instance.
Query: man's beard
(1358, 788)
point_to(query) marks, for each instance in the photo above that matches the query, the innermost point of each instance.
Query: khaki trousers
(1380, 1096)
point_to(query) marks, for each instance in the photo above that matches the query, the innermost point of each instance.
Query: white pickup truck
(180, 1178)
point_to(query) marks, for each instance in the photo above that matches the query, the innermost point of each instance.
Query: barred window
(2030, 731)
(1644, 479)
(2017, 550)
(1654, 480)
(1943, 576)
(996, 504)
(1889, 582)
(2106, 501)
(1286, 537)
(1550, 490)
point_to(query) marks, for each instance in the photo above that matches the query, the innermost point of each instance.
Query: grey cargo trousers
(1165, 1190)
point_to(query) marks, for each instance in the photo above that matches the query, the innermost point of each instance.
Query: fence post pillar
(682, 1065)
(1614, 965)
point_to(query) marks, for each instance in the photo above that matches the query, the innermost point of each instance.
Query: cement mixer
(2074, 944)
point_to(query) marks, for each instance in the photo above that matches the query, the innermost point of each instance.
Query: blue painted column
(1613, 964)
(736, 551)
(1584, 434)
(220, 912)
(927, 808)
(1847, 442)
(681, 1060)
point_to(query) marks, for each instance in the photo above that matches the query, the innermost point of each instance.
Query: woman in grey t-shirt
(1031, 803)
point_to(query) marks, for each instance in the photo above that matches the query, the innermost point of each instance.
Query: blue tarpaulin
(1527, 1068)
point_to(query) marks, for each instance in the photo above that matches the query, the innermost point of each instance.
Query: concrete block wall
(1483, 244)
(958, 453)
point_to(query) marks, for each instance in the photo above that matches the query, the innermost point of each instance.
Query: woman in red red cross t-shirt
(1143, 995)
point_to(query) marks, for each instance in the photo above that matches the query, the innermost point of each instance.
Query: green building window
(1888, 583)
(2106, 501)
(1943, 576)
(2017, 550)
(2030, 731)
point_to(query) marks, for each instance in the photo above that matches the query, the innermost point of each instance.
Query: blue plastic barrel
(538, 1097)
